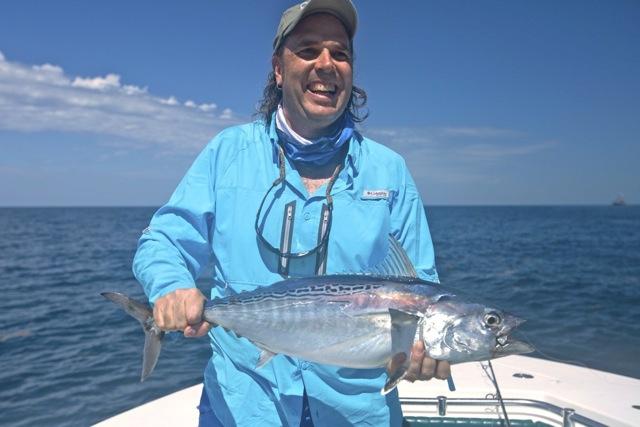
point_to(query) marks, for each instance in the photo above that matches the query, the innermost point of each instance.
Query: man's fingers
(165, 309)
(198, 330)
(422, 367)
(429, 367)
(179, 320)
(178, 309)
(415, 365)
(203, 329)
(443, 370)
(194, 308)
(158, 315)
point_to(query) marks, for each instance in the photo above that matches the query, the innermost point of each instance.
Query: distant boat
(619, 201)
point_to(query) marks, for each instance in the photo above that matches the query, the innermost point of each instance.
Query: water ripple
(69, 358)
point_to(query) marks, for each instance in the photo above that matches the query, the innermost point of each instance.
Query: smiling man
(313, 67)
(298, 192)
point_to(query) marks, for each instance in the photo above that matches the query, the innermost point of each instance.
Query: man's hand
(181, 310)
(421, 367)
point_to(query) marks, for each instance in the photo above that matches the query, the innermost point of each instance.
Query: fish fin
(135, 309)
(152, 334)
(152, 346)
(395, 264)
(265, 357)
(403, 332)
(396, 376)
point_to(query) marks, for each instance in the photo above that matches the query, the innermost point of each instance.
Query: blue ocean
(70, 358)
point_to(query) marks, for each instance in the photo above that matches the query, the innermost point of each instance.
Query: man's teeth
(319, 87)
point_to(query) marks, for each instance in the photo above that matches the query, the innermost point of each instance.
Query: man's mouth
(326, 89)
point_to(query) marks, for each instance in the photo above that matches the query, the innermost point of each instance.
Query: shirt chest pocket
(234, 240)
(359, 233)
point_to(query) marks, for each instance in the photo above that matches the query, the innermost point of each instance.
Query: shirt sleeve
(409, 226)
(176, 246)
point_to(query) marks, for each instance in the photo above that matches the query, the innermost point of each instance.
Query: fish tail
(152, 333)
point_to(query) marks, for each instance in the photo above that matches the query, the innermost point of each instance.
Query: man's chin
(324, 114)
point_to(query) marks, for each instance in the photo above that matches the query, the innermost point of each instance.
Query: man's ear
(276, 63)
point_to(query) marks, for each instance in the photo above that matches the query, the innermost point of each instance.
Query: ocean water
(70, 358)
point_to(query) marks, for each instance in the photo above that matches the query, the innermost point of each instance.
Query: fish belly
(312, 329)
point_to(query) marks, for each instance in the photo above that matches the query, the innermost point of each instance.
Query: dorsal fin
(395, 263)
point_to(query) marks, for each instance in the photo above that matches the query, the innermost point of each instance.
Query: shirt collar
(352, 160)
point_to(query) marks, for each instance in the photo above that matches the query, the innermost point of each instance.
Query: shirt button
(304, 365)
(307, 215)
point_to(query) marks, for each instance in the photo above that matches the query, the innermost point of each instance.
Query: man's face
(315, 73)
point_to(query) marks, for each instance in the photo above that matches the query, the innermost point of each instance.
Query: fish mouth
(502, 341)
(506, 346)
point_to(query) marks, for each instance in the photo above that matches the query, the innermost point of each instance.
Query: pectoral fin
(401, 360)
(403, 332)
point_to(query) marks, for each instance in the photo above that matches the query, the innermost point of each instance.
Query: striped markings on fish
(352, 320)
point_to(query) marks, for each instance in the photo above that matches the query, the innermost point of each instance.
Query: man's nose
(324, 61)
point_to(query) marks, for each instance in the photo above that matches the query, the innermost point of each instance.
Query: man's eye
(308, 53)
(341, 55)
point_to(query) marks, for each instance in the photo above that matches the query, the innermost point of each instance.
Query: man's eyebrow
(305, 42)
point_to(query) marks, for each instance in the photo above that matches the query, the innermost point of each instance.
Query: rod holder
(567, 417)
(442, 406)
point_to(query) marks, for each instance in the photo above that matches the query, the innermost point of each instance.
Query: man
(297, 193)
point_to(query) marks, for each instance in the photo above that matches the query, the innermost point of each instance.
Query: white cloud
(51, 74)
(449, 156)
(110, 81)
(43, 98)
(207, 107)
(467, 144)
(494, 151)
(227, 114)
(169, 101)
(479, 132)
(48, 68)
(134, 90)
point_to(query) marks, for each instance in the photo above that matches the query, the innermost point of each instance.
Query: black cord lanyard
(325, 217)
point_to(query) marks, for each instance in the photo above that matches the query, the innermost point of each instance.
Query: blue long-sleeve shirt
(210, 218)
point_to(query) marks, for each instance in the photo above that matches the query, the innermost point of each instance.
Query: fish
(355, 320)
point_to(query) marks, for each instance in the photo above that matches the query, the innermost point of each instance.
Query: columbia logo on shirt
(375, 194)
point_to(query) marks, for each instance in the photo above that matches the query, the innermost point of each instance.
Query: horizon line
(425, 205)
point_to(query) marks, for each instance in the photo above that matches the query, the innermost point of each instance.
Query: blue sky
(490, 102)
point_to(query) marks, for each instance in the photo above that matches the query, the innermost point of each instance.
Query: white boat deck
(601, 396)
(606, 398)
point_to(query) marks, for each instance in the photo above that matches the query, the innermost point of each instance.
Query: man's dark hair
(272, 96)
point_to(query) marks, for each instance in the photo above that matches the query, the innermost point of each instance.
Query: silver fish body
(361, 321)
(352, 320)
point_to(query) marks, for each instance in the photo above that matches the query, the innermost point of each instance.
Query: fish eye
(492, 319)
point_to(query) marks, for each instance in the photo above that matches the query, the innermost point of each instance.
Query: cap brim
(341, 9)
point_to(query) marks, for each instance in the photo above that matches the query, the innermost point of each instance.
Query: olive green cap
(341, 9)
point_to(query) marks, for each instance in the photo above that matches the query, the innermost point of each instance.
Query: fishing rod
(494, 380)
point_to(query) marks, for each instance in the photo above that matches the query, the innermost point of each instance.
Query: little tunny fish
(353, 320)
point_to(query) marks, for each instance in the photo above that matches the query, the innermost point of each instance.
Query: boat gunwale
(531, 403)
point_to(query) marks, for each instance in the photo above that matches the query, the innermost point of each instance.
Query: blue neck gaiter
(316, 151)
